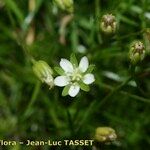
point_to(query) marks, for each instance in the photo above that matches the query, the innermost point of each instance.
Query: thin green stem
(20, 37)
(70, 122)
(12, 20)
(132, 69)
(97, 15)
(97, 7)
(27, 52)
(136, 97)
(96, 105)
(129, 35)
(33, 98)
(114, 91)
(51, 106)
(54, 117)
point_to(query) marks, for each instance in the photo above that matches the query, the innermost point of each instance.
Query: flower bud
(137, 52)
(108, 23)
(105, 134)
(65, 5)
(44, 72)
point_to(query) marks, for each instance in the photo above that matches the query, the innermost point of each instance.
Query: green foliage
(119, 98)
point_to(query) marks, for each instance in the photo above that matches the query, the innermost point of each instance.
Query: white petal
(74, 90)
(84, 64)
(66, 65)
(88, 78)
(61, 81)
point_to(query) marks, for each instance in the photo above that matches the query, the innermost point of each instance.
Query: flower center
(76, 75)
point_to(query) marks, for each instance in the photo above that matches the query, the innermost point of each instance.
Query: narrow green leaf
(84, 87)
(12, 5)
(59, 70)
(73, 59)
(127, 20)
(74, 37)
(65, 90)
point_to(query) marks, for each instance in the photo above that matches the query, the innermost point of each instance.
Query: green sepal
(90, 69)
(59, 70)
(65, 90)
(84, 87)
(73, 59)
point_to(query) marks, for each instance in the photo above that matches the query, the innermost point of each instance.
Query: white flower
(74, 76)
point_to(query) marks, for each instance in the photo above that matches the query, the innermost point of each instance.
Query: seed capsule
(108, 23)
(105, 134)
(137, 52)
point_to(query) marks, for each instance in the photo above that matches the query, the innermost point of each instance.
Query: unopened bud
(65, 5)
(108, 23)
(137, 52)
(44, 72)
(105, 134)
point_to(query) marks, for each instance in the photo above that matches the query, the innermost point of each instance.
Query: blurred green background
(29, 110)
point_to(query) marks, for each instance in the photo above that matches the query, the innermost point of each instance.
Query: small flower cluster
(73, 77)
